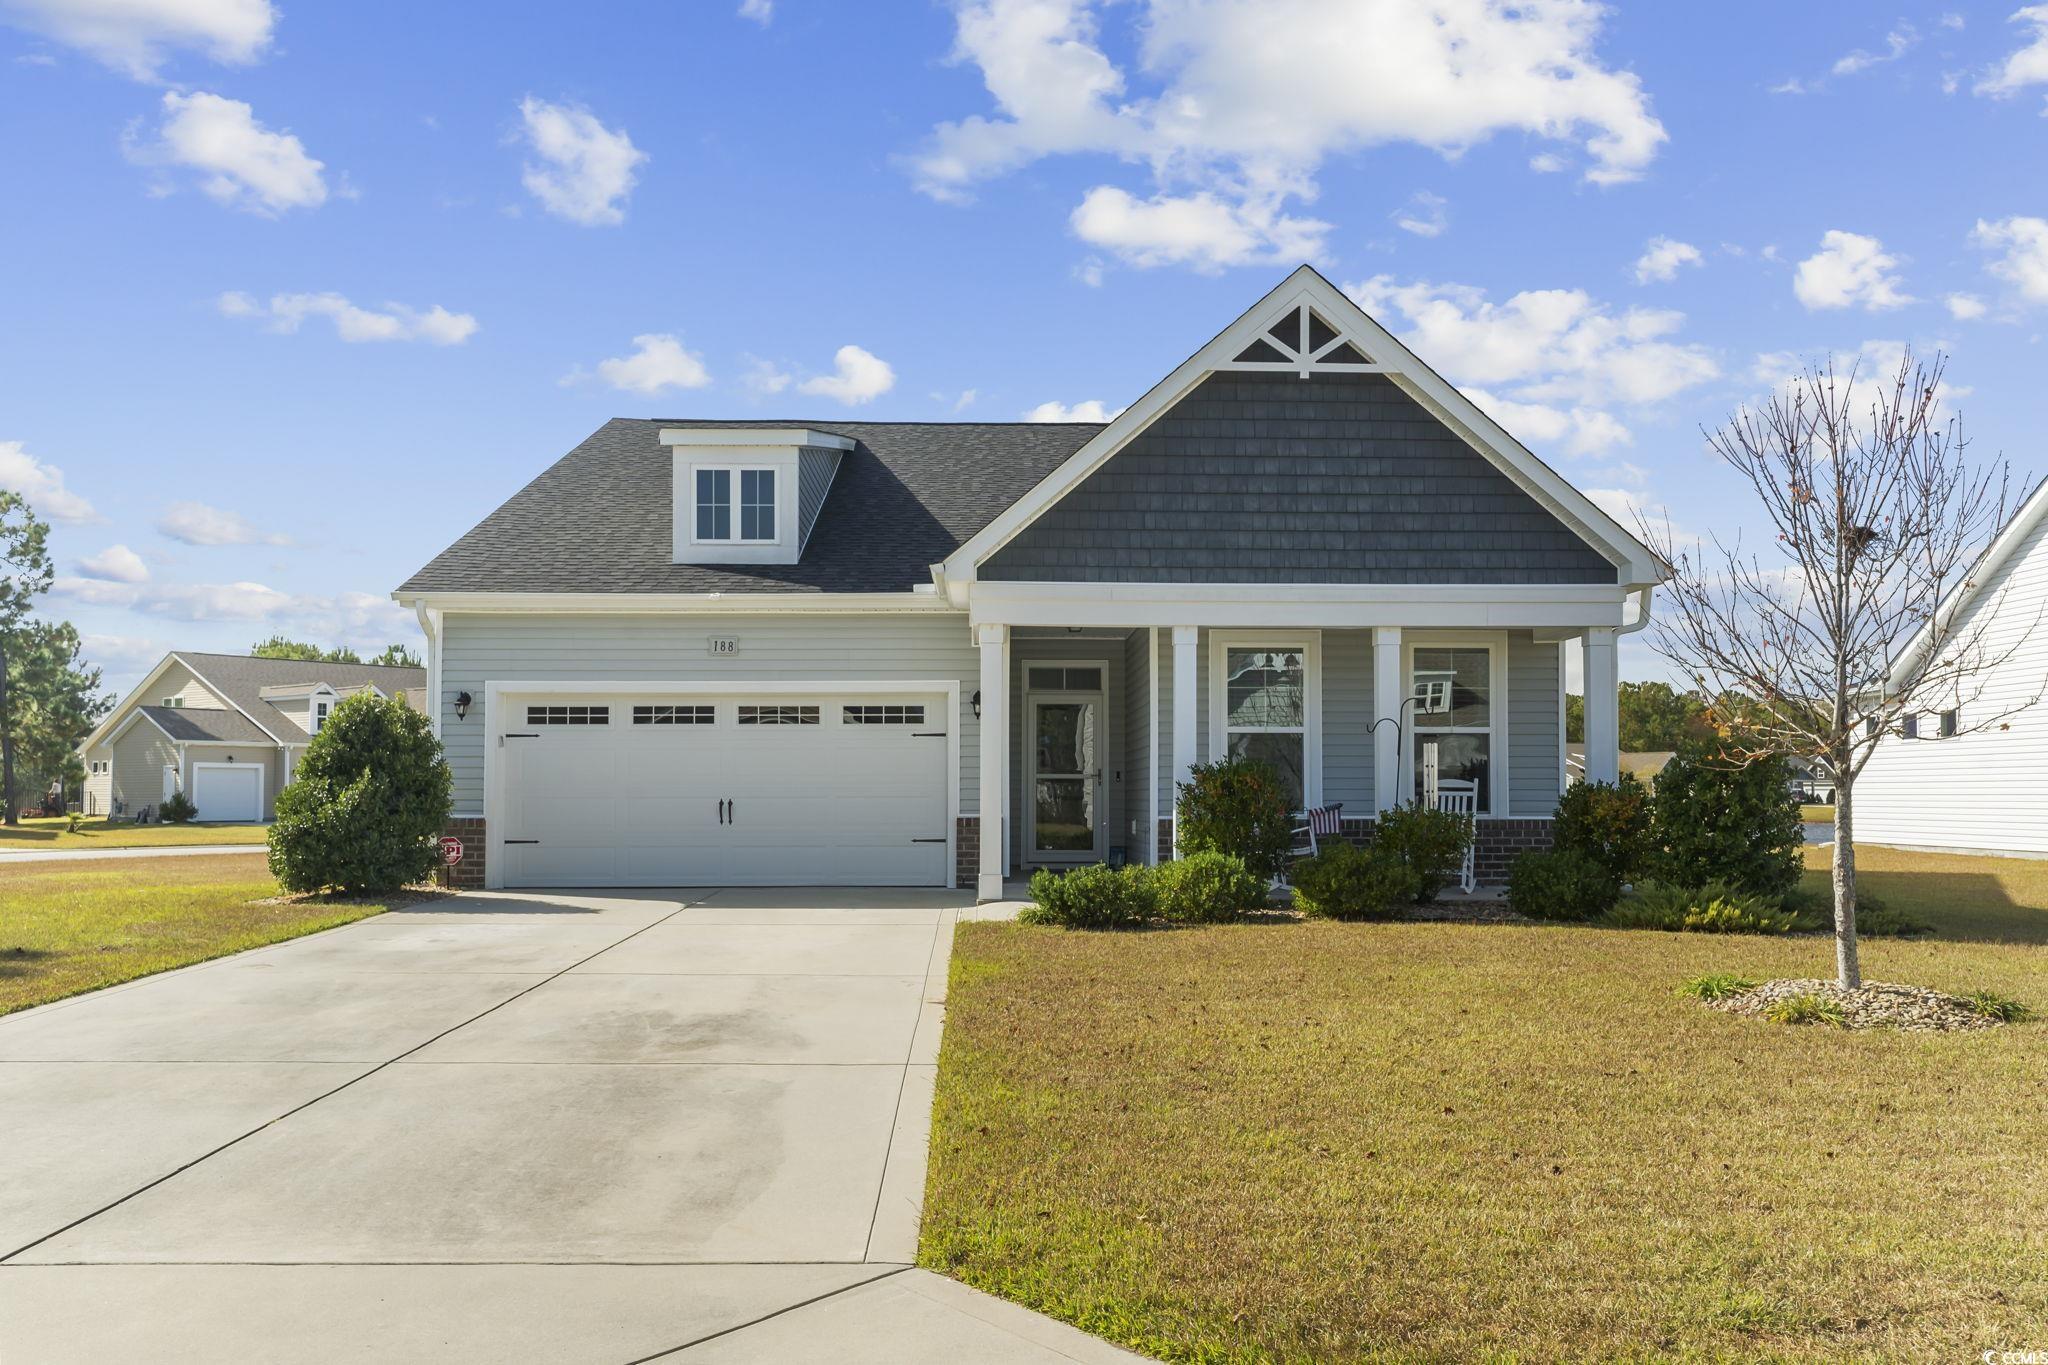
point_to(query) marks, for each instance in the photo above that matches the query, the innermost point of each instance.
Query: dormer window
(321, 706)
(723, 520)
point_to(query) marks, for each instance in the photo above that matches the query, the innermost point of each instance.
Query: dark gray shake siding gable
(1271, 478)
(815, 469)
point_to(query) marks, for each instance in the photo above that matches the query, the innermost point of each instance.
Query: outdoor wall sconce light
(462, 700)
(977, 706)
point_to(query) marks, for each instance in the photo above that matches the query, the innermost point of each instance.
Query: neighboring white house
(938, 653)
(225, 729)
(1933, 786)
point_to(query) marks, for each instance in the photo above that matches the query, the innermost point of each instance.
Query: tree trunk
(13, 813)
(1848, 969)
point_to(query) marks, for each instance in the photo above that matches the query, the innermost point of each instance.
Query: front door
(1065, 792)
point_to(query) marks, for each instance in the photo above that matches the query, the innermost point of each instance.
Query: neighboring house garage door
(228, 791)
(770, 790)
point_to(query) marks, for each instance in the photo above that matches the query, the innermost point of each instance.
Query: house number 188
(725, 644)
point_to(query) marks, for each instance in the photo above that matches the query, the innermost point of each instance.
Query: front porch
(1101, 722)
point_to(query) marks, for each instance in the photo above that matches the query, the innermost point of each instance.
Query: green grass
(1433, 1141)
(1806, 1009)
(1823, 815)
(52, 833)
(71, 927)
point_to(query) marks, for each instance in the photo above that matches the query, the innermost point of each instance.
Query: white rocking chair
(1460, 796)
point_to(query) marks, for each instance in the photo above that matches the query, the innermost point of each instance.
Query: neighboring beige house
(225, 729)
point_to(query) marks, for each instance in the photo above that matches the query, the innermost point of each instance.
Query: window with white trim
(174, 701)
(1265, 711)
(1452, 690)
(734, 505)
(1951, 723)
(320, 709)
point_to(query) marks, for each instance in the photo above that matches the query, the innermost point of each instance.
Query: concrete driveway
(604, 1128)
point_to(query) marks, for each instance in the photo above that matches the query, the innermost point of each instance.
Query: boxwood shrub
(1429, 843)
(1609, 822)
(1561, 886)
(1344, 881)
(1205, 888)
(1097, 897)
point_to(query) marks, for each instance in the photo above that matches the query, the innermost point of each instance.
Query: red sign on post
(451, 850)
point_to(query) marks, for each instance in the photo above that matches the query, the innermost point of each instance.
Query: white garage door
(734, 790)
(231, 791)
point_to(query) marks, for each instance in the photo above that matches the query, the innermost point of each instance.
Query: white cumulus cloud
(1423, 214)
(115, 564)
(1965, 307)
(2022, 244)
(239, 162)
(582, 170)
(1850, 271)
(197, 523)
(1234, 106)
(857, 377)
(395, 322)
(2027, 65)
(43, 486)
(1088, 410)
(1661, 259)
(138, 36)
(657, 364)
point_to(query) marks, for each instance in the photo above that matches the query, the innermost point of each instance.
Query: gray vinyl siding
(1532, 720)
(1347, 720)
(1271, 478)
(480, 648)
(814, 479)
(1139, 835)
(1115, 781)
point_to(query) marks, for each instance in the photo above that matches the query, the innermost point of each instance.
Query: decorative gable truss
(1303, 341)
(1307, 326)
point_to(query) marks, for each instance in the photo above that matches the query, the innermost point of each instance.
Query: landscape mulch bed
(1878, 1004)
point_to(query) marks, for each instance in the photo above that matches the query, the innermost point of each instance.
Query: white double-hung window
(734, 505)
(1267, 707)
(1455, 695)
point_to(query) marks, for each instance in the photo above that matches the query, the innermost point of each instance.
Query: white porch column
(1603, 705)
(1184, 679)
(994, 643)
(1387, 695)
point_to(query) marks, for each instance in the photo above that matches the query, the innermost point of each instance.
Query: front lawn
(1817, 815)
(100, 833)
(1435, 1141)
(67, 927)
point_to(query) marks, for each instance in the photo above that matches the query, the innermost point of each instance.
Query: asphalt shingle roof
(205, 722)
(240, 679)
(600, 519)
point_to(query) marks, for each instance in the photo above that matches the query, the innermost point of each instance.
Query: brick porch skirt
(1499, 842)
(467, 875)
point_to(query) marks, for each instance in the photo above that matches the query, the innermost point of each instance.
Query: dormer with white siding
(749, 496)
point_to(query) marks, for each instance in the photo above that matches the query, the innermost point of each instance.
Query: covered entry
(761, 788)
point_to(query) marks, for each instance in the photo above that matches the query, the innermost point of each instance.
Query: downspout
(430, 626)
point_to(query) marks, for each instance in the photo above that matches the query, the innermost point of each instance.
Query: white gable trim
(104, 731)
(2024, 523)
(1637, 565)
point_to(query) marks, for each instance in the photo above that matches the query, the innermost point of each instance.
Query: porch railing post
(1603, 706)
(1386, 705)
(1184, 676)
(993, 641)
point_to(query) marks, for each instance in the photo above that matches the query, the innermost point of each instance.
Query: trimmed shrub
(1429, 843)
(1344, 881)
(1560, 886)
(177, 809)
(1097, 897)
(370, 797)
(1205, 888)
(1239, 807)
(1717, 823)
(1609, 822)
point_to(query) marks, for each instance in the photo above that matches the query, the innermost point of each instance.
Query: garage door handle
(732, 812)
(721, 812)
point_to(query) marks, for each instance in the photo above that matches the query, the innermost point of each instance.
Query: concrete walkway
(84, 855)
(682, 1126)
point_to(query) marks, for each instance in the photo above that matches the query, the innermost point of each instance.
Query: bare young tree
(1842, 634)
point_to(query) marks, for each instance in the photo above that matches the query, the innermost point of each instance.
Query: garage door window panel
(568, 715)
(779, 715)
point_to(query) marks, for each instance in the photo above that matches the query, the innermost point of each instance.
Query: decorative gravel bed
(1879, 1004)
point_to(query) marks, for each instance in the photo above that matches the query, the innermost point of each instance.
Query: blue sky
(295, 294)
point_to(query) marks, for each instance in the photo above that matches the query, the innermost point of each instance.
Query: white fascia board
(119, 715)
(2024, 523)
(773, 437)
(1327, 606)
(640, 603)
(1634, 559)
